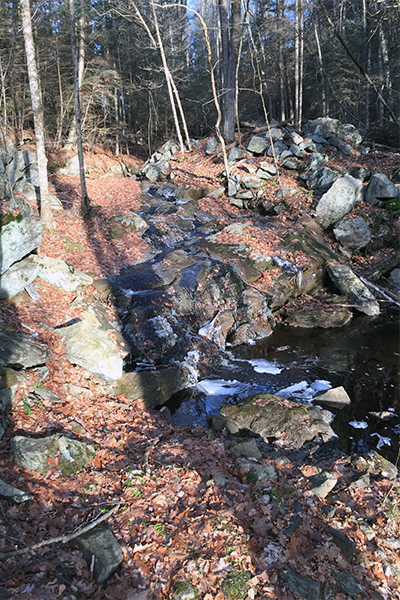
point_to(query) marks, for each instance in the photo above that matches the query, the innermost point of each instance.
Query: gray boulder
(71, 167)
(19, 235)
(59, 273)
(93, 349)
(250, 182)
(351, 286)
(353, 234)
(18, 350)
(380, 188)
(279, 148)
(322, 180)
(257, 145)
(268, 168)
(16, 278)
(315, 161)
(324, 127)
(32, 454)
(211, 145)
(236, 154)
(153, 387)
(291, 423)
(338, 201)
(100, 549)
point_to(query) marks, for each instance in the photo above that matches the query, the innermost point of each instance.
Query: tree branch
(62, 538)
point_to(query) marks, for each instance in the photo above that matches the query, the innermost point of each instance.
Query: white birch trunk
(37, 108)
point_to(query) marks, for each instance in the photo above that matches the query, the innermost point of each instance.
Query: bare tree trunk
(230, 42)
(168, 79)
(279, 14)
(367, 49)
(37, 108)
(384, 63)
(81, 69)
(85, 207)
(321, 67)
(298, 77)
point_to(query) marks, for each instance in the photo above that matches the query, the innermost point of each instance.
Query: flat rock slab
(351, 286)
(18, 237)
(18, 350)
(60, 274)
(291, 423)
(335, 397)
(100, 548)
(93, 349)
(348, 584)
(301, 586)
(322, 483)
(12, 494)
(341, 540)
(319, 318)
(16, 278)
(39, 455)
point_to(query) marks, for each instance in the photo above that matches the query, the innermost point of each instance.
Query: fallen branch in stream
(63, 538)
(386, 294)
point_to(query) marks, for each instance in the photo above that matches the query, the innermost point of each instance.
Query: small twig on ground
(62, 538)
(149, 450)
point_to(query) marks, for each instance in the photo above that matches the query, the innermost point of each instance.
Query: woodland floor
(175, 523)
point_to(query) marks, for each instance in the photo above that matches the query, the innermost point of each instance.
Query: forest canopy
(277, 59)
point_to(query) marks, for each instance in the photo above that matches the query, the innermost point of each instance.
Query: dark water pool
(363, 357)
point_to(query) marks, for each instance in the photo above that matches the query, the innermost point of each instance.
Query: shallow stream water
(363, 357)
